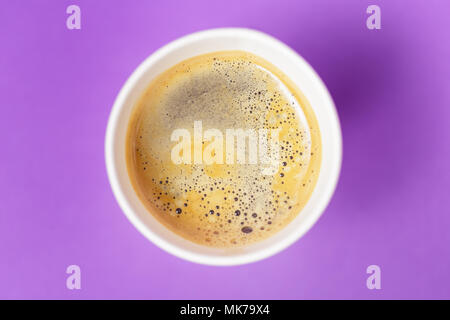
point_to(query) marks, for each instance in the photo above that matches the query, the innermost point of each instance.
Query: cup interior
(287, 61)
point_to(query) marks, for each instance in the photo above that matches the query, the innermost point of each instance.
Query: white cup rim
(124, 202)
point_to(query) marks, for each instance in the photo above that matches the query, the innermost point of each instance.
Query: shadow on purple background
(391, 88)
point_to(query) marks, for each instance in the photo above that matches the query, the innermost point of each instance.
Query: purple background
(391, 207)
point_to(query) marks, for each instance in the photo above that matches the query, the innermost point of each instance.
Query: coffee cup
(288, 62)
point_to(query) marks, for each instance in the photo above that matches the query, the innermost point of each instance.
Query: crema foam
(223, 149)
